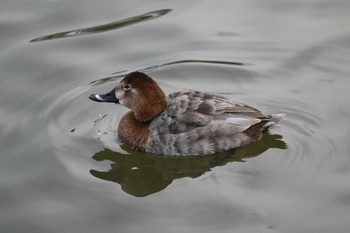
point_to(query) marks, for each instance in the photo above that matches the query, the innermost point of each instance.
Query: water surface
(62, 170)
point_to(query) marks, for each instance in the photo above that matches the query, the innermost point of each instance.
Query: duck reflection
(141, 174)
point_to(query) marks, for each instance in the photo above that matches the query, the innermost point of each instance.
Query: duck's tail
(277, 117)
(274, 119)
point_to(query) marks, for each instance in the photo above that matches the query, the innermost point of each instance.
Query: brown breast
(133, 133)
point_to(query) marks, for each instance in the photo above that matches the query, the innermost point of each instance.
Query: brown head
(138, 92)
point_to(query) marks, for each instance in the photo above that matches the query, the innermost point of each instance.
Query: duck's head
(138, 92)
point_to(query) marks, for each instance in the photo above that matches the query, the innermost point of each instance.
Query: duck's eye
(127, 87)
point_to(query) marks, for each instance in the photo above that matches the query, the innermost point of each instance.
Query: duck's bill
(108, 97)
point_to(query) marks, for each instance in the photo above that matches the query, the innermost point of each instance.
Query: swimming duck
(185, 122)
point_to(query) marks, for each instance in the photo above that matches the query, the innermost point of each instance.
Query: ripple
(221, 62)
(304, 132)
(120, 74)
(76, 126)
(73, 125)
(105, 27)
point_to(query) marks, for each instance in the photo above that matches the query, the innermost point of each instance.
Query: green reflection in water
(141, 174)
(104, 27)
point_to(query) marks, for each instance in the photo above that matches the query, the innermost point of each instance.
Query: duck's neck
(148, 108)
(133, 133)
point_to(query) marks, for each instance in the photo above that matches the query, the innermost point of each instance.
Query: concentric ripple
(304, 134)
(78, 126)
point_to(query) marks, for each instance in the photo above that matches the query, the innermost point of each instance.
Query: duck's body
(184, 123)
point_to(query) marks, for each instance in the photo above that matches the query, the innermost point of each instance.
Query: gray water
(61, 170)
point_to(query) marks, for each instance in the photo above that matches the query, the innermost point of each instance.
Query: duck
(184, 123)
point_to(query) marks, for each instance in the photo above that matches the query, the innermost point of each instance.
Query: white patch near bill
(99, 97)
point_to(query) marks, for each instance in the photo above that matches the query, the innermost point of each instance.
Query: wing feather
(189, 110)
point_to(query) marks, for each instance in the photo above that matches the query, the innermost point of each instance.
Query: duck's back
(197, 123)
